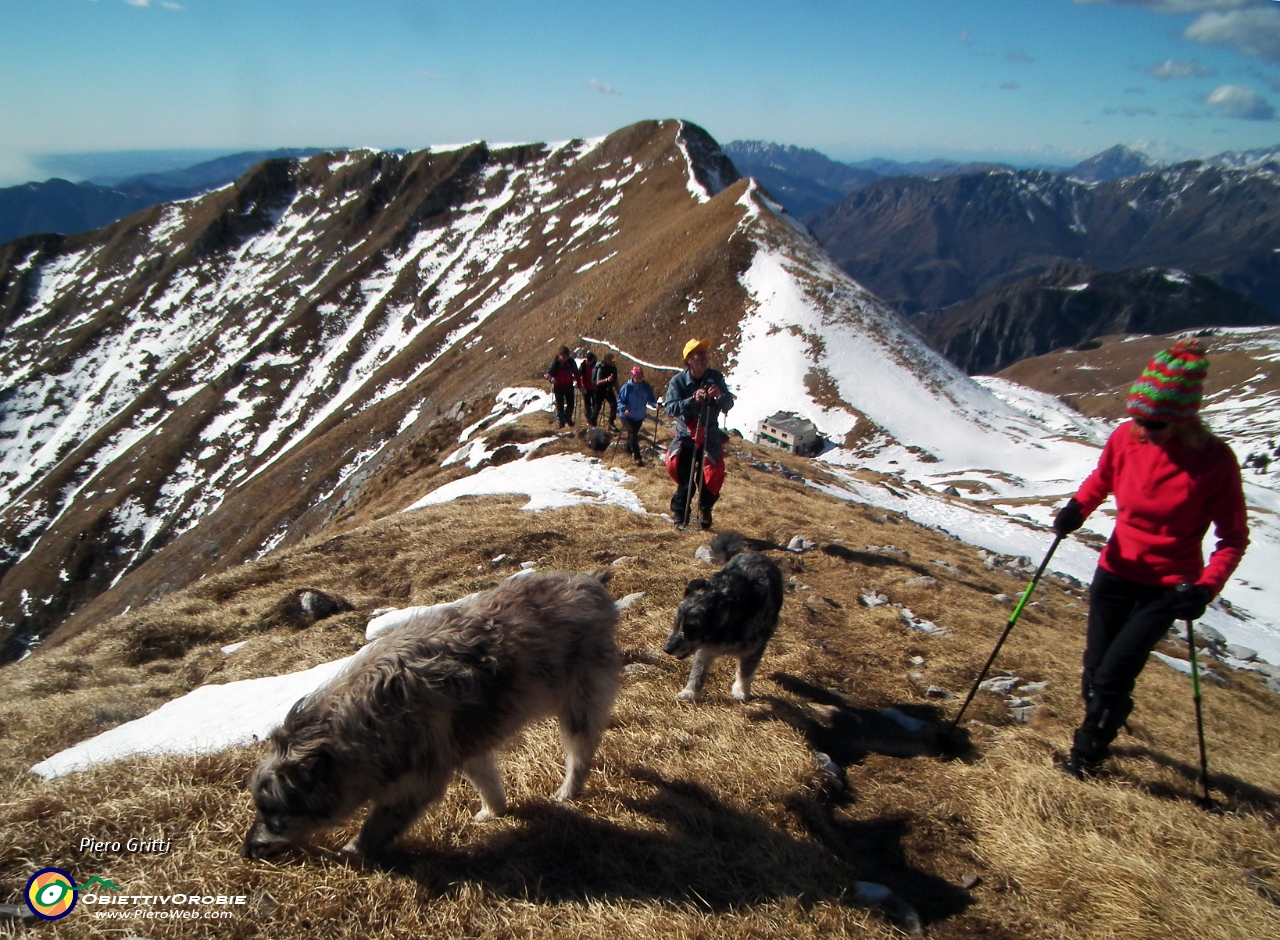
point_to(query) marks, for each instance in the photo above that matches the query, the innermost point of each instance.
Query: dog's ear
(697, 584)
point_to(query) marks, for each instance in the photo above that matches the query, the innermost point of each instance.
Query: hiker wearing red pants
(1171, 478)
(695, 398)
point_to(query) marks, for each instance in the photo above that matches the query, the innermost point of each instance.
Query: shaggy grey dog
(732, 613)
(438, 695)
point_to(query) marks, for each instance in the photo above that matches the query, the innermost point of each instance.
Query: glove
(1190, 601)
(1069, 518)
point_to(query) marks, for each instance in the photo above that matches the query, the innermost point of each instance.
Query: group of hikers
(1171, 478)
(695, 398)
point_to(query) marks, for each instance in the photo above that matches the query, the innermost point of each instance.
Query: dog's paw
(566, 794)
(740, 694)
(487, 814)
(352, 855)
(688, 695)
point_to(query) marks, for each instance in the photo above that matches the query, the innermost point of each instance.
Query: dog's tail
(604, 575)
(725, 545)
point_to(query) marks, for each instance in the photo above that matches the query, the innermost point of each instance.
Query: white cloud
(603, 88)
(1236, 102)
(1173, 69)
(168, 5)
(1254, 32)
(1178, 6)
(138, 3)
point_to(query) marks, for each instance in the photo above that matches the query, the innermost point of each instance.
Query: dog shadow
(702, 854)
(1237, 793)
(876, 560)
(847, 734)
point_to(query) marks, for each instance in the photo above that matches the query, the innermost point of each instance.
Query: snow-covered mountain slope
(204, 382)
(237, 358)
(814, 342)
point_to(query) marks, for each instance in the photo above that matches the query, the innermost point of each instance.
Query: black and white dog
(732, 613)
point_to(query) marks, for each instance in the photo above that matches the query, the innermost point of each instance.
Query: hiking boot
(1080, 768)
(704, 517)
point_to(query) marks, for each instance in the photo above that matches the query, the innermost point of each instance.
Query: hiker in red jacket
(1171, 478)
(563, 376)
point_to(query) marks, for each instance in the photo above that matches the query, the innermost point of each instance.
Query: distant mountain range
(927, 244)
(63, 207)
(1074, 303)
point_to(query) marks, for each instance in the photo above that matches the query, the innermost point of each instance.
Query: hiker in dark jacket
(587, 381)
(1171, 478)
(607, 387)
(563, 376)
(697, 393)
(632, 400)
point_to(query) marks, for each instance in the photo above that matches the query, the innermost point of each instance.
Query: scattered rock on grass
(902, 913)
(800, 544)
(906, 722)
(627, 601)
(18, 912)
(1022, 713)
(874, 599)
(919, 623)
(1000, 685)
(922, 582)
(703, 554)
(833, 771)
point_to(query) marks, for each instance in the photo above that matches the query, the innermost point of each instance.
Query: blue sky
(1031, 81)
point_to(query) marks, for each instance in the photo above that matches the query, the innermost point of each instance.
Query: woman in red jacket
(1171, 478)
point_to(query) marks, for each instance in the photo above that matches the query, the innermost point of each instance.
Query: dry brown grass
(701, 821)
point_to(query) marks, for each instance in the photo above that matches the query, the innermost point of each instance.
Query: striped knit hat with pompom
(1172, 386)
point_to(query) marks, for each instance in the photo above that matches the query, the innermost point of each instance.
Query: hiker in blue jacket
(633, 398)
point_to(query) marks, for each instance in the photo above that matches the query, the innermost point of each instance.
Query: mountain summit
(1113, 164)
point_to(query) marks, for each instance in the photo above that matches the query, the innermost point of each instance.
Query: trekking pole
(696, 482)
(1205, 799)
(1013, 618)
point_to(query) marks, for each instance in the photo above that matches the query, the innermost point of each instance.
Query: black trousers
(1126, 621)
(564, 405)
(590, 405)
(633, 436)
(604, 394)
(687, 464)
